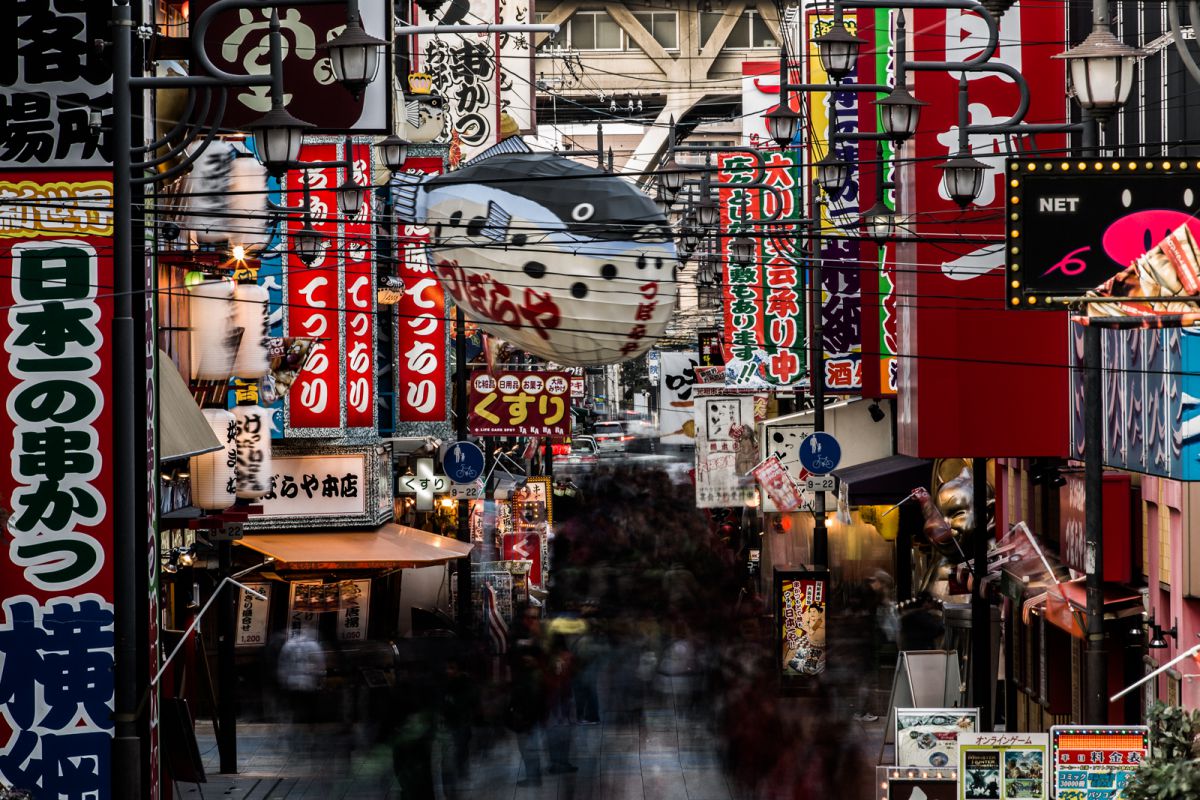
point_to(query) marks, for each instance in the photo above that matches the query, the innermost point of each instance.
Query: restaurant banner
(1095, 762)
(676, 396)
(326, 486)
(520, 404)
(955, 331)
(238, 43)
(764, 322)
(56, 567)
(775, 483)
(841, 285)
(1003, 766)
(726, 450)
(421, 338)
(800, 613)
(354, 610)
(332, 300)
(253, 616)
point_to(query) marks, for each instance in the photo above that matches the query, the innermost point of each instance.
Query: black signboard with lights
(1073, 224)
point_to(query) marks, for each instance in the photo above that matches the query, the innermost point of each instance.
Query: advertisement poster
(776, 484)
(56, 559)
(676, 383)
(928, 737)
(354, 608)
(421, 329)
(1095, 762)
(520, 404)
(253, 616)
(801, 615)
(1002, 766)
(726, 450)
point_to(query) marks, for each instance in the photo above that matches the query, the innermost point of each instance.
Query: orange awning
(1070, 612)
(389, 547)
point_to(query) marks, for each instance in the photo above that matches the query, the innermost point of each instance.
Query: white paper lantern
(250, 314)
(226, 199)
(214, 481)
(253, 451)
(211, 309)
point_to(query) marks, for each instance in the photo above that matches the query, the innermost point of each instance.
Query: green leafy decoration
(1173, 770)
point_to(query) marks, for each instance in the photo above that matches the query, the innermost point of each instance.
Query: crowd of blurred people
(651, 604)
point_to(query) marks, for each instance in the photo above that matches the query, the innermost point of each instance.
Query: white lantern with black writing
(253, 467)
(250, 314)
(214, 481)
(214, 329)
(226, 199)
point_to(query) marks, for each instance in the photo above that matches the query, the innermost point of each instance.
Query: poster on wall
(354, 610)
(726, 450)
(1003, 766)
(928, 737)
(56, 559)
(676, 396)
(800, 616)
(782, 440)
(253, 616)
(1095, 762)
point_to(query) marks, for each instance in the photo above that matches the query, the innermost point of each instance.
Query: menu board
(928, 737)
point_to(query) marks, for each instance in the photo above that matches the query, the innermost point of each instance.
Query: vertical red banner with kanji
(56, 570)
(314, 297)
(967, 365)
(421, 321)
(358, 258)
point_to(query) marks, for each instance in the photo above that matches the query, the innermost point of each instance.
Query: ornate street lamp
(671, 176)
(783, 124)
(879, 221)
(899, 113)
(832, 173)
(962, 177)
(1100, 71)
(307, 243)
(708, 213)
(277, 139)
(354, 53)
(838, 49)
(394, 152)
(741, 249)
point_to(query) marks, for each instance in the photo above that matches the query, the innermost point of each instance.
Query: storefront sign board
(928, 737)
(1095, 762)
(726, 450)
(253, 616)
(676, 396)
(328, 487)
(1003, 766)
(520, 404)
(800, 615)
(354, 610)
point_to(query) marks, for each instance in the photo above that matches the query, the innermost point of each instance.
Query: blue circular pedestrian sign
(462, 462)
(820, 453)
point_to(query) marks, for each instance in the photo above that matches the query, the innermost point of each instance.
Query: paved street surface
(659, 753)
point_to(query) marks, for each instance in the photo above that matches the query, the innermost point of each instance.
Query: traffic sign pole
(464, 613)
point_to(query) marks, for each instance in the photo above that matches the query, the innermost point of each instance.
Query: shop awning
(389, 547)
(1070, 612)
(885, 480)
(183, 430)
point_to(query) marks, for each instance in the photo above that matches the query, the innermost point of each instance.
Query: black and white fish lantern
(564, 261)
(424, 110)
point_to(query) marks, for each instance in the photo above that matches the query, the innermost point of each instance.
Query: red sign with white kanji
(520, 404)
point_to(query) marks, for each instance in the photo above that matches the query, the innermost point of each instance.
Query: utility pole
(464, 611)
(981, 609)
(1095, 711)
(820, 549)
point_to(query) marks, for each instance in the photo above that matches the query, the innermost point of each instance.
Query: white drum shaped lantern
(250, 314)
(213, 323)
(227, 199)
(253, 451)
(564, 261)
(213, 478)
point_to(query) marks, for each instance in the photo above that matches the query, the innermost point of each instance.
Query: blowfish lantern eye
(583, 212)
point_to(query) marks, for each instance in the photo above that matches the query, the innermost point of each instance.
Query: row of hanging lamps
(213, 322)
(253, 468)
(214, 480)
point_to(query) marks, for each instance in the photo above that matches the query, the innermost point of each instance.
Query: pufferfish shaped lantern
(424, 110)
(562, 260)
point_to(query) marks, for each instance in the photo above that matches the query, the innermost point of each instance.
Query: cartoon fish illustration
(562, 260)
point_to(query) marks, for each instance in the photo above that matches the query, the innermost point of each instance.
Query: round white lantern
(227, 199)
(250, 314)
(211, 308)
(253, 451)
(213, 474)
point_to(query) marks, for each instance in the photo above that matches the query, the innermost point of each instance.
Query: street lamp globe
(306, 243)
(354, 56)
(838, 49)
(691, 237)
(349, 197)
(962, 178)
(832, 173)
(782, 125)
(277, 139)
(879, 222)
(741, 249)
(708, 213)
(394, 152)
(671, 175)
(899, 113)
(1100, 72)
(664, 199)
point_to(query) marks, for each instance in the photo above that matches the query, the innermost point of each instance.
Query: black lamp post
(962, 177)
(879, 222)
(783, 124)
(837, 48)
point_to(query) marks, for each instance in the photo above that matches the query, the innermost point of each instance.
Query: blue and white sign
(820, 453)
(463, 462)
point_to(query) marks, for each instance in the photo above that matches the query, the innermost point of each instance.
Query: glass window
(761, 34)
(609, 35)
(583, 31)
(594, 30)
(749, 32)
(662, 26)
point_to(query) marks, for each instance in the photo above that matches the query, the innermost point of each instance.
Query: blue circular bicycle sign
(462, 462)
(820, 453)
